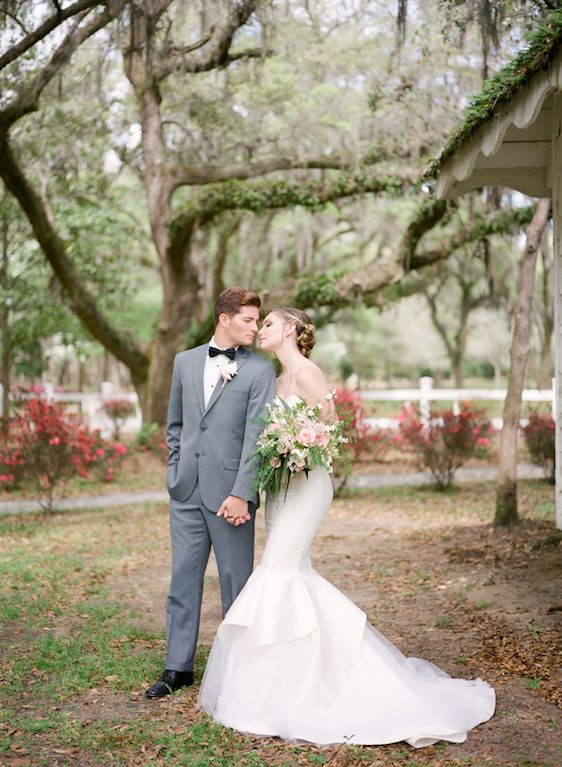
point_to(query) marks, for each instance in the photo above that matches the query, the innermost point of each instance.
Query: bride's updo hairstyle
(306, 337)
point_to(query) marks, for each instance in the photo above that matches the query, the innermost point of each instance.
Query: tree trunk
(81, 301)
(180, 295)
(5, 331)
(458, 371)
(506, 489)
(547, 309)
(460, 338)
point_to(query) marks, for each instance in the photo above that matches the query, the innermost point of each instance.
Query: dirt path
(437, 581)
(358, 481)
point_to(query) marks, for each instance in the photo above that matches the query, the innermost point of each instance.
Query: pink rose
(54, 441)
(307, 436)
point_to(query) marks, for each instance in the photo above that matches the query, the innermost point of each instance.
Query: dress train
(295, 658)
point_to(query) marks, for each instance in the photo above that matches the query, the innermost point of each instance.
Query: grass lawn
(82, 613)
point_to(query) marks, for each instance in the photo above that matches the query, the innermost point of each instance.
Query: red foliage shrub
(11, 459)
(363, 440)
(540, 440)
(444, 443)
(152, 437)
(118, 410)
(52, 446)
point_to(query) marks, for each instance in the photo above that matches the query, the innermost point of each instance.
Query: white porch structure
(519, 146)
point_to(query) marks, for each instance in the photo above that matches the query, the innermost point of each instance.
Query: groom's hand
(234, 510)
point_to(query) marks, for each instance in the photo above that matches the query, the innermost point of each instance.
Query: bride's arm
(313, 389)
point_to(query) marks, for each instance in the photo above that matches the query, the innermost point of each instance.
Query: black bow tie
(214, 352)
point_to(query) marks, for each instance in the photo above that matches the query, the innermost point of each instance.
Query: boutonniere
(228, 370)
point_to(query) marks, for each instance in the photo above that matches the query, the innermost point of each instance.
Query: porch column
(556, 186)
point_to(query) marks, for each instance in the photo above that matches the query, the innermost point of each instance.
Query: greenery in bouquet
(294, 439)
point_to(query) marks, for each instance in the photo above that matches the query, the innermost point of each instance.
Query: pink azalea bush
(540, 440)
(47, 446)
(118, 410)
(152, 438)
(446, 442)
(364, 441)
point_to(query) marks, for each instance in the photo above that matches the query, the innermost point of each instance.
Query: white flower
(228, 370)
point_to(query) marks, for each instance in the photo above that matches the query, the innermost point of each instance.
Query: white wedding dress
(295, 658)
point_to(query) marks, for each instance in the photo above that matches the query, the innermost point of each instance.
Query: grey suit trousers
(193, 532)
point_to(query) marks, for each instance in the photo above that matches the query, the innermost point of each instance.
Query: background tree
(543, 316)
(207, 108)
(506, 492)
(476, 276)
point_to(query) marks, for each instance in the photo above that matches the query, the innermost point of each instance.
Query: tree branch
(82, 302)
(238, 195)
(215, 52)
(427, 217)
(439, 326)
(44, 29)
(210, 173)
(505, 221)
(28, 97)
(339, 289)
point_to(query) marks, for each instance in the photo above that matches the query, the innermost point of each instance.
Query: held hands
(234, 510)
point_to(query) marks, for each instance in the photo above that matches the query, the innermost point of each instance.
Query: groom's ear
(223, 320)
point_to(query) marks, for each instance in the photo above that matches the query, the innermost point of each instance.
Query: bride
(294, 657)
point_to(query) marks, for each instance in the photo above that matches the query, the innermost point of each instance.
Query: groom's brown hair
(232, 300)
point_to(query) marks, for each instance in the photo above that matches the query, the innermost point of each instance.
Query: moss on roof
(542, 46)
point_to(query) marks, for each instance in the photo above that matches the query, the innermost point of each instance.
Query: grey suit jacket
(211, 444)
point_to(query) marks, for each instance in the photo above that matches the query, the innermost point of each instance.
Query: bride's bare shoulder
(311, 381)
(308, 370)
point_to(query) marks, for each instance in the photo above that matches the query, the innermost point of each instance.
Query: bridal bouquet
(294, 439)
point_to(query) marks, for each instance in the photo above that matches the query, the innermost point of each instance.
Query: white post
(49, 391)
(426, 385)
(106, 390)
(553, 404)
(556, 181)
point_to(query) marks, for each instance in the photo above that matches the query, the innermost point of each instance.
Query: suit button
(203, 427)
(197, 454)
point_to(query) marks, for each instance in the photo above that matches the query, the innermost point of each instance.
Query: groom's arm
(261, 392)
(175, 415)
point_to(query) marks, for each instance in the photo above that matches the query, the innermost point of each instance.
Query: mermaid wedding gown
(295, 658)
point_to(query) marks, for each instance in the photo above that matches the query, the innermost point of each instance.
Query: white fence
(426, 394)
(90, 405)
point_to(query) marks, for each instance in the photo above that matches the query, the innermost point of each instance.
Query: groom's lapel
(241, 356)
(198, 371)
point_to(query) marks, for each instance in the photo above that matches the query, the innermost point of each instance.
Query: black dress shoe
(169, 682)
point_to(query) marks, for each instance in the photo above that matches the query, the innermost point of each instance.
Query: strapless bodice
(291, 399)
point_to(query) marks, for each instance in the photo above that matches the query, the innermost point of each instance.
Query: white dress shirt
(211, 375)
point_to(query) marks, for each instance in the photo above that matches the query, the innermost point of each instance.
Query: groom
(218, 391)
